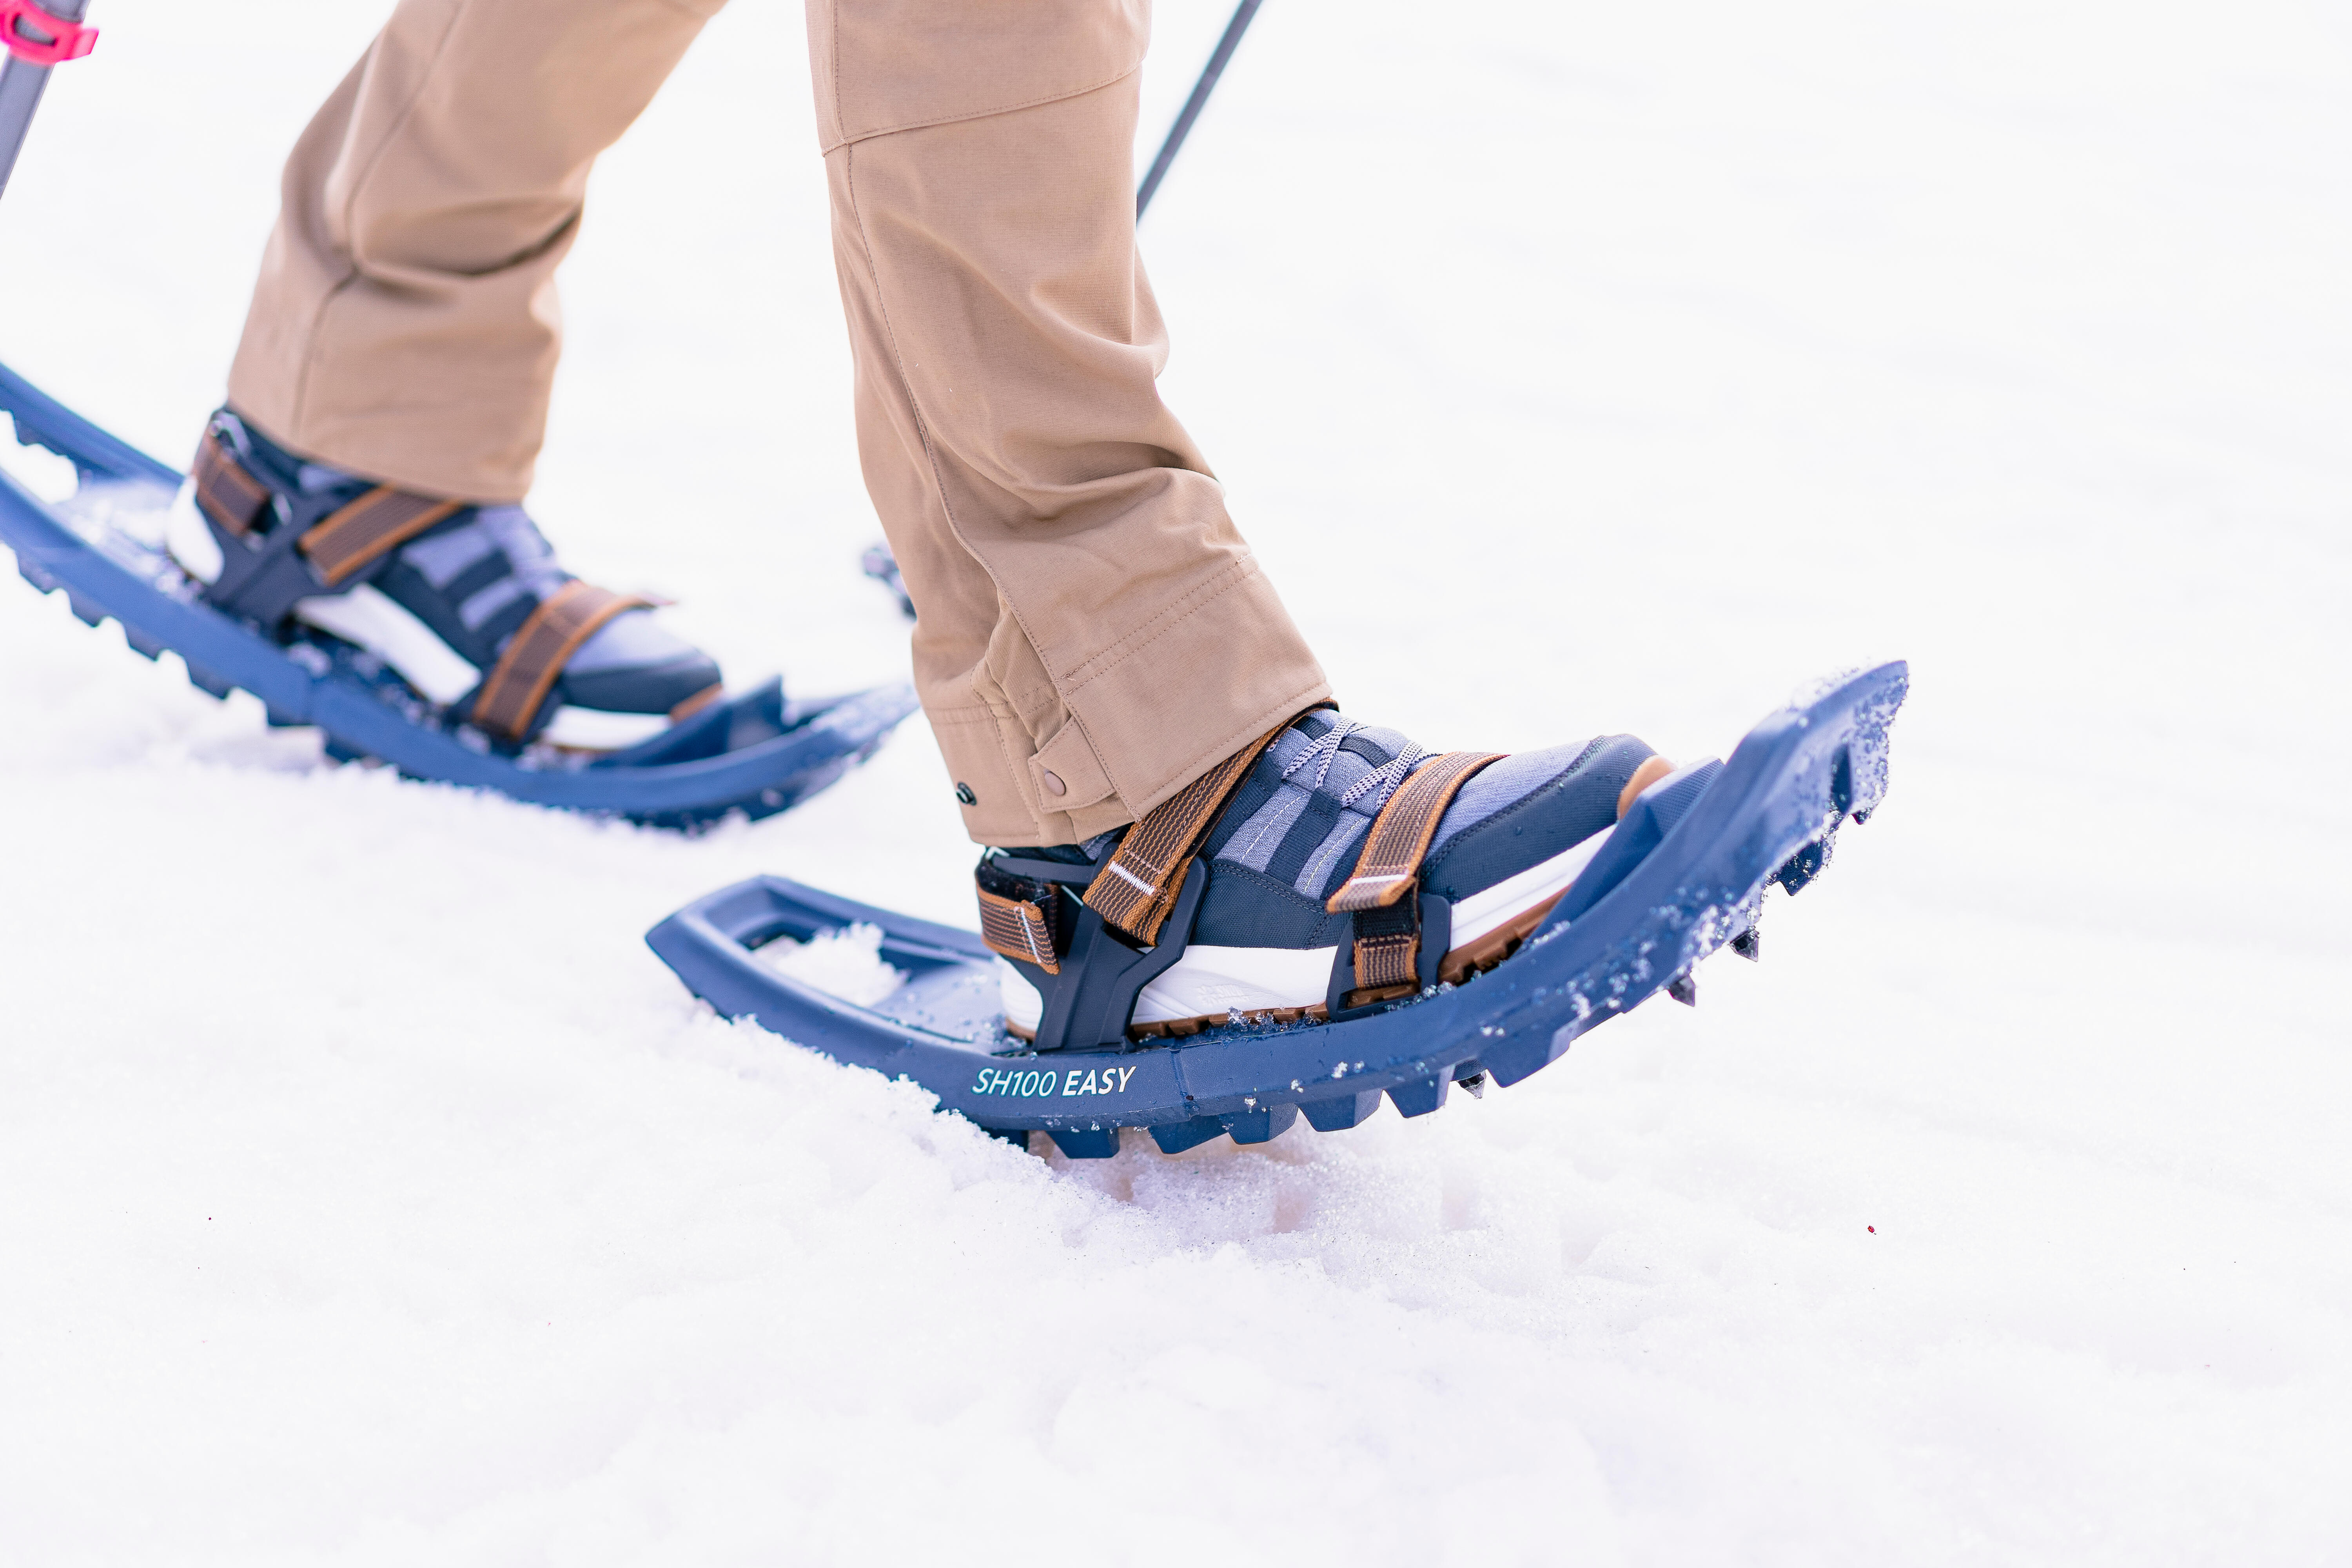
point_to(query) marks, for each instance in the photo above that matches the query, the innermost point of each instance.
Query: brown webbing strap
(1139, 886)
(1401, 834)
(1018, 929)
(520, 681)
(1388, 947)
(384, 518)
(229, 495)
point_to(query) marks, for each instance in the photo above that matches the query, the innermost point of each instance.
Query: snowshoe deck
(1682, 874)
(757, 753)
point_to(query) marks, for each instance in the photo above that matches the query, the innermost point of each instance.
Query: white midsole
(1208, 981)
(373, 620)
(369, 619)
(601, 730)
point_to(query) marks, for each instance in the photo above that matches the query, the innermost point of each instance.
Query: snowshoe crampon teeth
(1176, 1137)
(1263, 1125)
(1748, 945)
(1341, 1112)
(1803, 867)
(1508, 1063)
(1684, 989)
(1422, 1097)
(1476, 1083)
(1086, 1144)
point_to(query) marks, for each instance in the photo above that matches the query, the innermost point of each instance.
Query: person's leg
(1093, 633)
(404, 327)
(387, 403)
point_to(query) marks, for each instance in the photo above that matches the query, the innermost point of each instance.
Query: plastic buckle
(51, 40)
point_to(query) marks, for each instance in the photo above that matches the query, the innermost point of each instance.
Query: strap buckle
(39, 38)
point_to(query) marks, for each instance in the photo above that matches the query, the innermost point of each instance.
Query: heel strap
(341, 545)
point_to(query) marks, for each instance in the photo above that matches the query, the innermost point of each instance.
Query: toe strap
(1388, 920)
(1400, 836)
(512, 694)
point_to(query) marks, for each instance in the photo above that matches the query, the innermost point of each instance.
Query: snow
(847, 962)
(373, 1196)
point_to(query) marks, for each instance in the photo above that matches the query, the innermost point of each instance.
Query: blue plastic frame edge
(1682, 874)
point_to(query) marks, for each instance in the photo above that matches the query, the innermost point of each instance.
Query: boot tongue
(1326, 755)
(1330, 754)
(1301, 814)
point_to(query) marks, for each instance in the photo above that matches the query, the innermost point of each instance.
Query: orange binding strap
(339, 544)
(229, 495)
(384, 520)
(1139, 886)
(1018, 928)
(525, 673)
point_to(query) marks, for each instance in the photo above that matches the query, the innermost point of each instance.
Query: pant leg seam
(351, 200)
(848, 140)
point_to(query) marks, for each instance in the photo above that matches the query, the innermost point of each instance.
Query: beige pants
(1093, 633)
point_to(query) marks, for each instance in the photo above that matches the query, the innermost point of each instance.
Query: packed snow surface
(373, 1196)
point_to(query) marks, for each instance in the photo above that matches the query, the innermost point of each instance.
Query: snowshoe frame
(756, 753)
(1683, 874)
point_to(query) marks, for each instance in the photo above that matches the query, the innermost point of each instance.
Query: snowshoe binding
(440, 636)
(1331, 917)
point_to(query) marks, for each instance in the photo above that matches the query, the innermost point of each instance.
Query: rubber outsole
(1683, 874)
(754, 755)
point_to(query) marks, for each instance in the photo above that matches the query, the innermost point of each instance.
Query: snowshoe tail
(1681, 875)
(756, 753)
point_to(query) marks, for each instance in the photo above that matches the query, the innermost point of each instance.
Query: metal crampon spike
(1684, 989)
(1749, 945)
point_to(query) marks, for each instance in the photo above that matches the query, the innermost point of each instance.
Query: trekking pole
(1200, 90)
(37, 38)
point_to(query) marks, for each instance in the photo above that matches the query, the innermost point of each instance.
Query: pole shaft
(1200, 90)
(21, 85)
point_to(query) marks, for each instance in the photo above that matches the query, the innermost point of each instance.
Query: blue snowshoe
(1330, 917)
(439, 636)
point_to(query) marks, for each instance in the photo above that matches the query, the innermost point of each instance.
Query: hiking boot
(1346, 869)
(466, 603)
